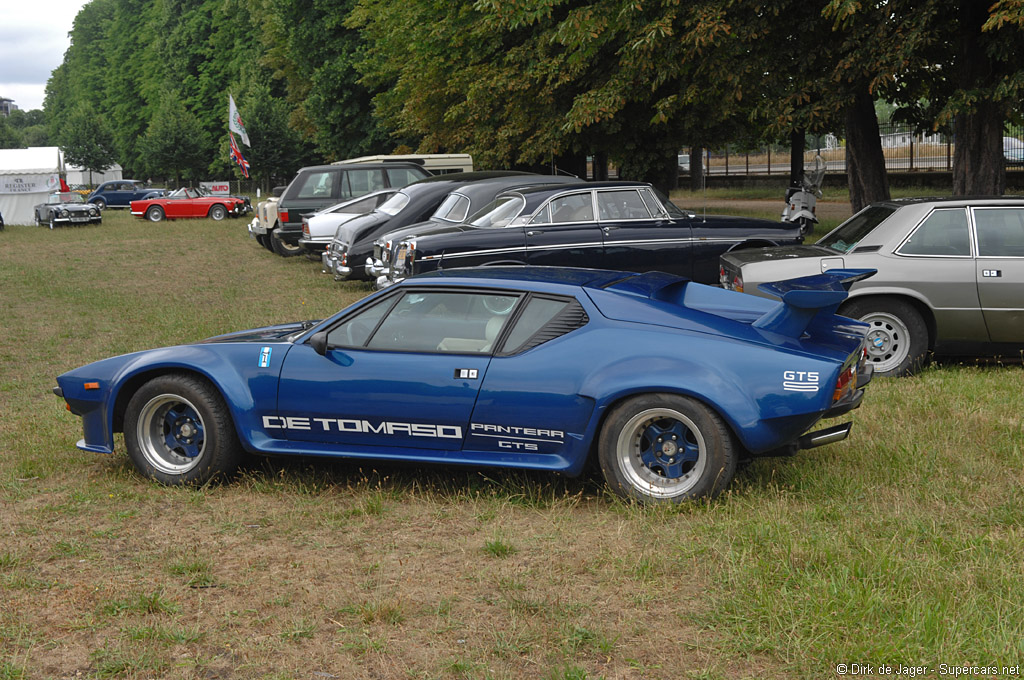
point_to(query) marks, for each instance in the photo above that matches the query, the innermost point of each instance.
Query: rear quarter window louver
(568, 320)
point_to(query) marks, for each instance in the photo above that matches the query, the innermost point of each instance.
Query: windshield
(66, 197)
(848, 234)
(498, 213)
(394, 205)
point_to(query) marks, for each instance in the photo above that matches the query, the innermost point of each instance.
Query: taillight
(846, 383)
(282, 215)
(305, 228)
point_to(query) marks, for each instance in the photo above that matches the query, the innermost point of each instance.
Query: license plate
(400, 258)
(79, 219)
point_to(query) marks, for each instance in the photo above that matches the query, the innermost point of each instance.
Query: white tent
(27, 176)
(76, 175)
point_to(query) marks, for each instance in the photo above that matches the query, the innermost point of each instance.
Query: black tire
(697, 458)
(897, 343)
(806, 226)
(282, 248)
(217, 212)
(262, 240)
(53, 221)
(100, 203)
(155, 213)
(189, 414)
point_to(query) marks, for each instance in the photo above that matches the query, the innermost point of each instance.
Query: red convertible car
(187, 202)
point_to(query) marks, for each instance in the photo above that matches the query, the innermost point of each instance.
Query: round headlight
(63, 213)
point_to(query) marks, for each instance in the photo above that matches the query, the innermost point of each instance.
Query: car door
(937, 263)
(404, 371)
(565, 232)
(639, 234)
(999, 236)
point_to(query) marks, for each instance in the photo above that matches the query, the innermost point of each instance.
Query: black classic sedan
(427, 199)
(66, 207)
(604, 225)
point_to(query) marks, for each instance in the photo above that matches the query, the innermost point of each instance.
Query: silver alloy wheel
(888, 340)
(217, 213)
(154, 214)
(649, 479)
(171, 434)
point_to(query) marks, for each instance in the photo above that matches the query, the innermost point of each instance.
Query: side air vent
(568, 320)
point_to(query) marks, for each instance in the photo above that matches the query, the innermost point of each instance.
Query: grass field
(901, 545)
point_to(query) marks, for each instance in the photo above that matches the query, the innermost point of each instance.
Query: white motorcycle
(801, 202)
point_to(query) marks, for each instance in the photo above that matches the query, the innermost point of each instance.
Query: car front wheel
(99, 203)
(177, 430)
(897, 340)
(155, 214)
(217, 213)
(666, 448)
(53, 221)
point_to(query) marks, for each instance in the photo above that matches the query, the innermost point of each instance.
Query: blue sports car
(669, 383)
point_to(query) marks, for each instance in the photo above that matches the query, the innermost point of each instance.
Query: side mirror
(319, 343)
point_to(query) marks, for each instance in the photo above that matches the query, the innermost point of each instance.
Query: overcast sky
(33, 39)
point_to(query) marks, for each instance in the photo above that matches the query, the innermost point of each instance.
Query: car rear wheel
(666, 448)
(897, 341)
(281, 248)
(217, 213)
(155, 213)
(177, 430)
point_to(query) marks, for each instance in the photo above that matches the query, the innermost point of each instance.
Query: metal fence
(905, 150)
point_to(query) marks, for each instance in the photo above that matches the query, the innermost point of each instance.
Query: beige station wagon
(950, 276)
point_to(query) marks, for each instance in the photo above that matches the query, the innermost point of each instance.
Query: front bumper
(374, 268)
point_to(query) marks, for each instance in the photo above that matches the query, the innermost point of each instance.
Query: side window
(463, 323)
(363, 206)
(453, 208)
(543, 319)
(653, 204)
(1000, 231)
(317, 184)
(543, 216)
(572, 208)
(359, 182)
(356, 331)
(400, 177)
(624, 204)
(944, 232)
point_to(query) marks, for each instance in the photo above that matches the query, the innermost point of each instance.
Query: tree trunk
(865, 163)
(696, 168)
(978, 166)
(796, 157)
(600, 166)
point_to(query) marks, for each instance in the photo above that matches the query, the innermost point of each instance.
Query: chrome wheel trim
(630, 448)
(888, 340)
(153, 433)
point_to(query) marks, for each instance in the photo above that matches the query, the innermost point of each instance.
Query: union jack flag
(236, 156)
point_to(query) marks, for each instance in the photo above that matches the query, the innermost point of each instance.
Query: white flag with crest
(235, 121)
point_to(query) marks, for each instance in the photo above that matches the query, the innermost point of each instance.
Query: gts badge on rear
(800, 381)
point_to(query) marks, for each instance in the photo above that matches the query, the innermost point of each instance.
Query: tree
(175, 144)
(86, 140)
(9, 137)
(276, 150)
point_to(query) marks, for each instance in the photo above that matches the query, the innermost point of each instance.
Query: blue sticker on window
(265, 356)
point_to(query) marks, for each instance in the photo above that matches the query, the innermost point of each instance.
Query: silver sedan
(950, 276)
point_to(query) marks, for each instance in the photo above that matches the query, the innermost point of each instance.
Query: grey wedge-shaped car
(950, 277)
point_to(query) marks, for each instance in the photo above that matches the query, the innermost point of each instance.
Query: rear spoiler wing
(807, 297)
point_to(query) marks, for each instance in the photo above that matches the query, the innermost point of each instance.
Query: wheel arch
(753, 243)
(128, 387)
(919, 305)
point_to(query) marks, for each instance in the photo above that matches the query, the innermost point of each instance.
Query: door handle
(608, 229)
(534, 233)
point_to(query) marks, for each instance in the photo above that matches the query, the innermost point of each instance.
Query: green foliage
(175, 142)
(86, 140)
(9, 137)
